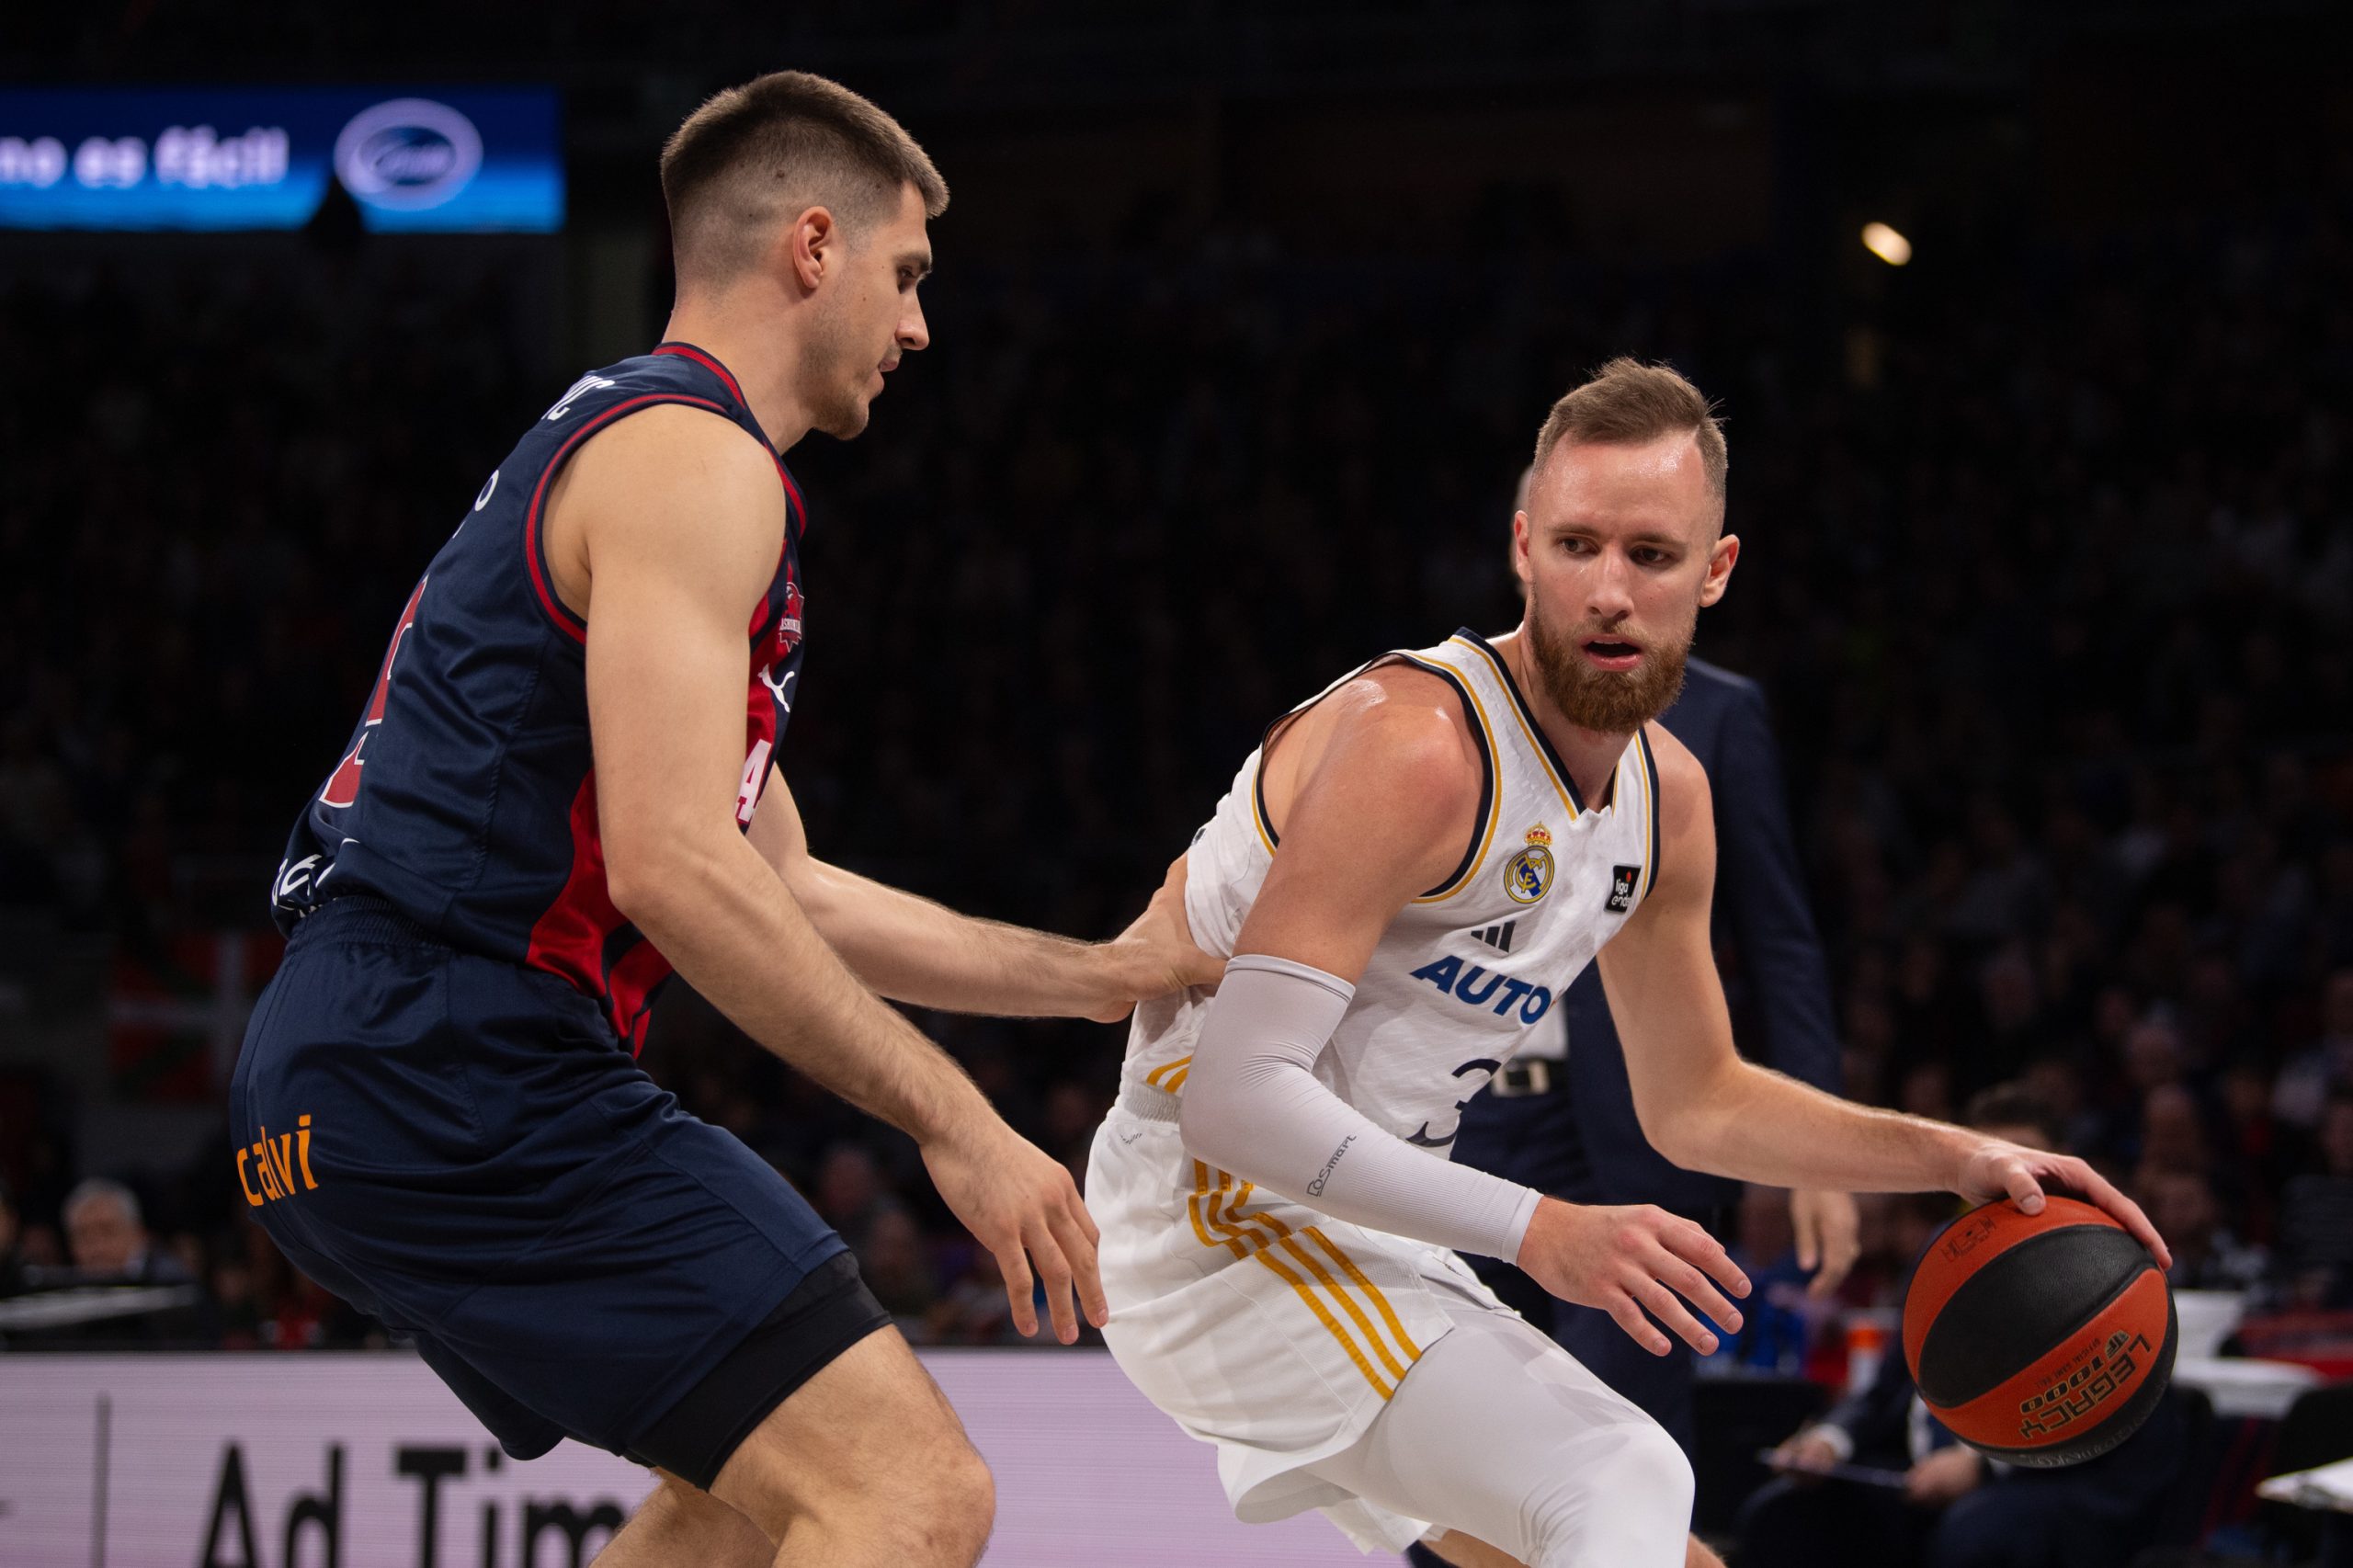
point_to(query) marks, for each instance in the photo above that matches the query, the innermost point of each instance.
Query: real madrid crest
(1527, 876)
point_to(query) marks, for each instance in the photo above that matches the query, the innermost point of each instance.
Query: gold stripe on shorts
(1412, 1351)
(1239, 1231)
(1347, 1265)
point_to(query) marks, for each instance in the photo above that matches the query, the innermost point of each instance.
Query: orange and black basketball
(2040, 1339)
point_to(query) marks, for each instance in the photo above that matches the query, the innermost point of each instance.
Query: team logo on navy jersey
(787, 625)
(1621, 886)
(1527, 876)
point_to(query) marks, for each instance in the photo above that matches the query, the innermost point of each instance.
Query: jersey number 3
(344, 787)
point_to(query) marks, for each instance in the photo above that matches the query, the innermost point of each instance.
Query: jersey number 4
(344, 787)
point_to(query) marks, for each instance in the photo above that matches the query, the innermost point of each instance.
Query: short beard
(1609, 701)
(836, 406)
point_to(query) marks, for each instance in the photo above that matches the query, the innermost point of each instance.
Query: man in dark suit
(1566, 1125)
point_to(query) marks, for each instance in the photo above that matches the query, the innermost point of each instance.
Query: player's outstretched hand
(1631, 1260)
(1995, 1169)
(1020, 1203)
(1154, 956)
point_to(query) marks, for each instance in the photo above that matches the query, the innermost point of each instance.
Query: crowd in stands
(2047, 569)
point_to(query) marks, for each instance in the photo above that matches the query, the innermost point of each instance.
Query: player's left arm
(1706, 1109)
(914, 951)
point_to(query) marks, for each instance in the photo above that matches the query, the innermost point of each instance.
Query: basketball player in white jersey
(1404, 877)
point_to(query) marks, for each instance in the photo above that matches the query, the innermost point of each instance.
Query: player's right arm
(664, 535)
(1385, 796)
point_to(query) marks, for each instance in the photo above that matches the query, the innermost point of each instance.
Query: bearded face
(1575, 665)
(1618, 546)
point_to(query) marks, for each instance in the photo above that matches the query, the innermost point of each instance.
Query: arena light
(1887, 244)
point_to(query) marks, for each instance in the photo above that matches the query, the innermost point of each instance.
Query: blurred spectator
(973, 1311)
(109, 1237)
(852, 1194)
(2306, 1081)
(2316, 1216)
(2254, 1147)
(2205, 1257)
(898, 1270)
(2173, 1136)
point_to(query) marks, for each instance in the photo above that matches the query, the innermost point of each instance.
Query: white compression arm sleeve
(1254, 1106)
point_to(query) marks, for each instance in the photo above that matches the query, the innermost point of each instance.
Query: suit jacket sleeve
(1762, 892)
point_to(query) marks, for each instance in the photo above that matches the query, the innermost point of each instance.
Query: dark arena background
(1243, 321)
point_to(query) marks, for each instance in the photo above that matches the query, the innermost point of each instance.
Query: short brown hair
(781, 144)
(1628, 402)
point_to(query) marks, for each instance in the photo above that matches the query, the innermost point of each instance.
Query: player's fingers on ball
(2020, 1183)
(1639, 1328)
(2127, 1213)
(1662, 1304)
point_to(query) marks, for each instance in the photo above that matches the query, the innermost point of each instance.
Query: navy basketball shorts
(458, 1146)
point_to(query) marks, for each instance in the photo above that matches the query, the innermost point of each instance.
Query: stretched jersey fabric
(467, 795)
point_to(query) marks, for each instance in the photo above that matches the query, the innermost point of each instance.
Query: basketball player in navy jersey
(563, 784)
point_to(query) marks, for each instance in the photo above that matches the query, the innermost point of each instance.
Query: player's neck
(762, 361)
(1590, 755)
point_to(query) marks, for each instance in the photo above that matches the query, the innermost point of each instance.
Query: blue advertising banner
(475, 159)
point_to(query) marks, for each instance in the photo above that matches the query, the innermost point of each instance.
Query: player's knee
(681, 1522)
(948, 1519)
(1638, 1491)
(1652, 1466)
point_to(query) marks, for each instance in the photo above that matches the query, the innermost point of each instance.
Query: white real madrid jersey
(1467, 971)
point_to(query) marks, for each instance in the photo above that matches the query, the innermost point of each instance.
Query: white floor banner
(317, 1460)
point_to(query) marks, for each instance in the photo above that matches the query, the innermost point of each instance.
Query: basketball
(2040, 1339)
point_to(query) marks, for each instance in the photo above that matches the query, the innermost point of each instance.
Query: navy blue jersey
(467, 797)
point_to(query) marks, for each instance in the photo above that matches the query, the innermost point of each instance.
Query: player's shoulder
(1408, 722)
(1389, 753)
(668, 461)
(685, 436)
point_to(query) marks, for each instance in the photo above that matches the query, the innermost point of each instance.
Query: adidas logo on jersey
(1496, 937)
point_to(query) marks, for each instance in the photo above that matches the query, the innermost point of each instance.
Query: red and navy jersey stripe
(467, 796)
